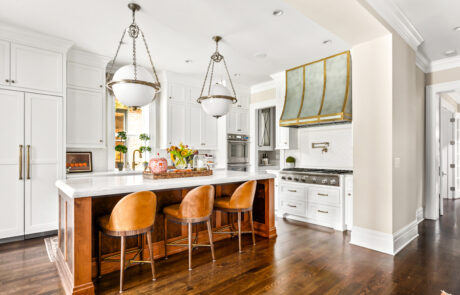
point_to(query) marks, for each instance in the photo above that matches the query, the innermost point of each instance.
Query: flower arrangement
(181, 155)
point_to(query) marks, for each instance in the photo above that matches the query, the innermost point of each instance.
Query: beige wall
(443, 76)
(263, 95)
(372, 134)
(404, 134)
(420, 136)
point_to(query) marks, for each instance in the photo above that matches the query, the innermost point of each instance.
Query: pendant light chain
(210, 78)
(118, 50)
(228, 74)
(205, 78)
(150, 57)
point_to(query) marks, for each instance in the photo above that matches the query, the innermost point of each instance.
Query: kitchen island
(83, 200)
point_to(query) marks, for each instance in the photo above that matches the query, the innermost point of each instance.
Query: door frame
(432, 152)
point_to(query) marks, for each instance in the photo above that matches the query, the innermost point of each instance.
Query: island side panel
(263, 208)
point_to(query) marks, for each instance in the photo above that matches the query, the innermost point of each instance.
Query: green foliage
(144, 137)
(122, 135)
(290, 159)
(121, 148)
(144, 149)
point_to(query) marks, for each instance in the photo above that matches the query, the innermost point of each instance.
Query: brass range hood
(318, 93)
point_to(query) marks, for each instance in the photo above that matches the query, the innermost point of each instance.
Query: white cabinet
(238, 121)
(85, 118)
(203, 129)
(43, 146)
(349, 201)
(30, 162)
(4, 63)
(243, 100)
(176, 128)
(12, 195)
(86, 100)
(37, 69)
(209, 132)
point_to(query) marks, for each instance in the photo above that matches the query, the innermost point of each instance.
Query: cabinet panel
(209, 137)
(243, 121)
(4, 62)
(177, 92)
(84, 76)
(42, 113)
(324, 196)
(85, 118)
(176, 123)
(196, 126)
(12, 195)
(34, 68)
(232, 118)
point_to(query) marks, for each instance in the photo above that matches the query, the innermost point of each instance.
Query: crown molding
(394, 16)
(445, 64)
(34, 39)
(87, 58)
(263, 86)
(422, 62)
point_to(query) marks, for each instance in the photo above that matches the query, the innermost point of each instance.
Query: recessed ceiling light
(278, 12)
(327, 41)
(236, 74)
(450, 52)
(188, 61)
(456, 29)
(260, 55)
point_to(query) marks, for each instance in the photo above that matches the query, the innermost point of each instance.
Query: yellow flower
(184, 153)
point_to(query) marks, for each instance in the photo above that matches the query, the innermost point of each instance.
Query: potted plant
(143, 149)
(290, 162)
(181, 155)
(121, 148)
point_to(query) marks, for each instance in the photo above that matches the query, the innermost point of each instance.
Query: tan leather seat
(196, 207)
(241, 201)
(133, 215)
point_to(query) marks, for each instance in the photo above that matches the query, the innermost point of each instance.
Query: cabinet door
(209, 132)
(196, 126)
(4, 62)
(243, 101)
(177, 92)
(83, 76)
(243, 121)
(176, 123)
(44, 148)
(232, 119)
(85, 118)
(12, 195)
(34, 68)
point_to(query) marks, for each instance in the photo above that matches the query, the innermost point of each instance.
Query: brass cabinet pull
(349, 194)
(28, 161)
(292, 206)
(292, 190)
(321, 211)
(323, 195)
(20, 161)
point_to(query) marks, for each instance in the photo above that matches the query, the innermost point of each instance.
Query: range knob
(296, 178)
(313, 179)
(283, 177)
(304, 179)
(333, 181)
(289, 178)
(324, 181)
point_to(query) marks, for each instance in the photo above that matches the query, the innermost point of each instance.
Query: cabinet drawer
(323, 213)
(324, 196)
(84, 76)
(293, 207)
(291, 190)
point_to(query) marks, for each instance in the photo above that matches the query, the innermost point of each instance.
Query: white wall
(340, 152)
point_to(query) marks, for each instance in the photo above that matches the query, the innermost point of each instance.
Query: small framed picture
(79, 162)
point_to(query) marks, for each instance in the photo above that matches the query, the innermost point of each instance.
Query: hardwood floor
(303, 259)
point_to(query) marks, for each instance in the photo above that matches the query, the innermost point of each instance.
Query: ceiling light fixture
(450, 52)
(188, 61)
(132, 84)
(260, 55)
(237, 75)
(278, 12)
(219, 99)
(327, 42)
(456, 29)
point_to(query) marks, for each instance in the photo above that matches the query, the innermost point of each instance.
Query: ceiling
(179, 30)
(435, 21)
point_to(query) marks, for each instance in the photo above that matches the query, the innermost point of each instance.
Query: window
(133, 122)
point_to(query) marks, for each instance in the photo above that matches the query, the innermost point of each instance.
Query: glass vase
(180, 163)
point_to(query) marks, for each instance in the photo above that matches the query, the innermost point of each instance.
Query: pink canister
(158, 165)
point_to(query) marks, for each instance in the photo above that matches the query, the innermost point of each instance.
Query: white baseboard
(383, 242)
(419, 215)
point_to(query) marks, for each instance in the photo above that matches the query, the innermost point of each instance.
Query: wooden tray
(176, 174)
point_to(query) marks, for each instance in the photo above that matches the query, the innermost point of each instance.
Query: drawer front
(323, 213)
(324, 196)
(292, 191)
(293, 207)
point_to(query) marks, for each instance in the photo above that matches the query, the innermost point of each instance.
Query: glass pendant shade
(219, 98)
(132, 93)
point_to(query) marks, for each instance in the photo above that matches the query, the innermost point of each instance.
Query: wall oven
(237, 152)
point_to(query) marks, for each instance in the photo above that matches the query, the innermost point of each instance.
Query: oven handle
(237, 141)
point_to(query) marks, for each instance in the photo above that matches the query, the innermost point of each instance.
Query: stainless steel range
(329, 177)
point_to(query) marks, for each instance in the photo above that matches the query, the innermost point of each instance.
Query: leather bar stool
(196, 207)
(241, 201)
(133, 215)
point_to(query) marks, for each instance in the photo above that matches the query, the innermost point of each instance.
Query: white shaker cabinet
(12, 164)
(36, 69)
(176, 128)
(203, 129)
(238, 121)
(4, 63)
(349, 201)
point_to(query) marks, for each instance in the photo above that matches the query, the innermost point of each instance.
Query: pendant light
(219, 98)
(133, 85)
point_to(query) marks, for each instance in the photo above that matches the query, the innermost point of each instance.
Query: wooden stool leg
(149, 242)
(208, 223)
(166, 237)
(189, 246)
(140, 241)
(252, 228)
(239, 230)
(122, 262)
(99, 253)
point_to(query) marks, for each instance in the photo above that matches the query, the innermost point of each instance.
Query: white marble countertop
(93, 186)
(103, 173)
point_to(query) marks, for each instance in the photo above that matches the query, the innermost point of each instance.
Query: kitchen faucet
(134, 158)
